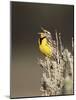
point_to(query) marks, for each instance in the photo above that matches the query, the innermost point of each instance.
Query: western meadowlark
(45, 47)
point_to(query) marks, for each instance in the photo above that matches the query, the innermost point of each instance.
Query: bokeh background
(26, 21)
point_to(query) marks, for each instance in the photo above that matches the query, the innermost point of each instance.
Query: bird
(45, 47)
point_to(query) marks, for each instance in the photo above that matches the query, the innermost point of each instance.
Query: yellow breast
(45, 48)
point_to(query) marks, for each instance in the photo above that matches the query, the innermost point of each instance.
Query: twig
(57, 48)
(61, 47)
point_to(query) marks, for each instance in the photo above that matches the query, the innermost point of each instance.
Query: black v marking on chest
(41, 39)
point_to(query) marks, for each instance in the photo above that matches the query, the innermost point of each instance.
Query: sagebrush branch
(57, 74)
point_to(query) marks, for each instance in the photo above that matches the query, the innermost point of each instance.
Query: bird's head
(42, 34)
(46, 33)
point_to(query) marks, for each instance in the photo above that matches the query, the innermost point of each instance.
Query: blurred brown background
(26, 20)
